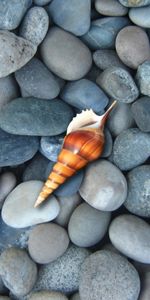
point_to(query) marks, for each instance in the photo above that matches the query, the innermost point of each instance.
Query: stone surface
(110, 8)
(65, 55)
(18, 271)
(47, 242)
(128, 148)
(131, 236)
(35, 170)
(118, 84)
(35, 79)
(138, 198)
(9, 90)
(18, 210)
(134, 3)
(84, 94)
(50, 146)
(16, 149)
(104, 186)
(145, 287)
(107, 275)
(143, 78)
(141, 113)
(35, 25)
(41, 2)
(140, 16)
(87, 226)
(7, 183)
(15, 52)
(47, 295)
(126, 40)
(33, 116)
(63, 274)
(73, 16)
(108, 144)
(106, 58)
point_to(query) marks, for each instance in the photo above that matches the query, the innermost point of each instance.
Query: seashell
(83, 143)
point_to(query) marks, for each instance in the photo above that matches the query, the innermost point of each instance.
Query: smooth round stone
(64, 273)
(131, 236)
(126, 40)
(15, 52)
(87, 225)
(41, 2)
(35, 25)
(108, 144)
(65, 55)
(138, 198)
(145, 287)
(75, 296)
(104, 186)
(106, 58)
(18, 210)
(35, 170)
(84, 94)
(12, 12)
(120, 118)
(140, 16)
(47, 242)
(103, 32)
(128, 148)
(7, 183)
(134, 3)
(110, 8)
(74, 16)
(107, 275)
(18, 271)
(118, 84)
(37, 80)
(9, 89)
(141, 113)
(67, 206)
(143, 78)
(16, 149)
(33, 116)
(50, 146)
(47, 295)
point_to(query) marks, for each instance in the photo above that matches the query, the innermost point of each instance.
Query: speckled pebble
(110, 8)
(141, 113)
(106, 58)
(143, 78)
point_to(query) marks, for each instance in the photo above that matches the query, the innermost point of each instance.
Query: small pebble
(47, 295)
(35, 25)
(106, 58)
(141, 113)
(42, 2)
(143, 78)
(140, 16)
(134, 3)
(9, 90)
(7, 183)
(110, 8)
(18, 271)
(50, 146)
(131, 236)
(35, 170)
(126, 40)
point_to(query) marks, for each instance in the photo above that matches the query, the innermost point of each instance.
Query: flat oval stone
(65, 55)
(131, 236)
(138, 198)
(141, 113)
(134, 3)
(18, 210)
(33, 116)
(9, 89)
(74, 17)
(126, 40)
(16, 149)
(143, 78)
(15, 52)
(110, 8)
(140, 16)
(47, 295)
(106, 58)
(128, 148)
(104, 186)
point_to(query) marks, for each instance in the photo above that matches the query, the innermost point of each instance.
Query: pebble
(110, 8)
(50, 146)
(131, 236)
(65, 55)
(67, 206)
(106, 58)
(33, 116)
(118, 84)
(35, 25)
(143, 78)
(47, 242)
(128, 148)
(36, 80)
(7, 183)
(120, 118)
(63, 274)
(42, 2)
(74, 16)
(35, 170)
(145, 287)
(15, 52)
(85, 94)
(16, 149)
(87, 225)
(75, 296)
(126, 40)
(104, 186)
(138, 198)
(134, 3)
(107, 275)
(103, 32)
(140, 16)
(12, 12)
(18, 210)
(18, 271)
(141, 113)
(108, 144)
(47, 295)
(9, 89)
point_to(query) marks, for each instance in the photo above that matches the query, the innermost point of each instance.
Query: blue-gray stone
(143, 78)
(73, 16)
(108, 144)
(9, 89)
(131, 148)
(32, 116)
(12, 12)
(37, 81)
(35, 170)
(103, 32)
(85, 94)
(138, 198)
(41, 2)
(140, 16)
(141, 113)
(110, 8)
(50, 146)
(106, 58)
(134, 3)
(16, 149)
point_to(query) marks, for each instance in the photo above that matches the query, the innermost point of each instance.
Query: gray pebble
(108, 144)
(143, 78)
(50, 146)
(141, 113)
(106, 58)
(9, 90)
(35, 170)
(134, 3)
(140, 16)
(7, 183)
(110, 8)
(47, 295)
(42, 2)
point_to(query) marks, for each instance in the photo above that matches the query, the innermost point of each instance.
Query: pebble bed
(91, 238)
